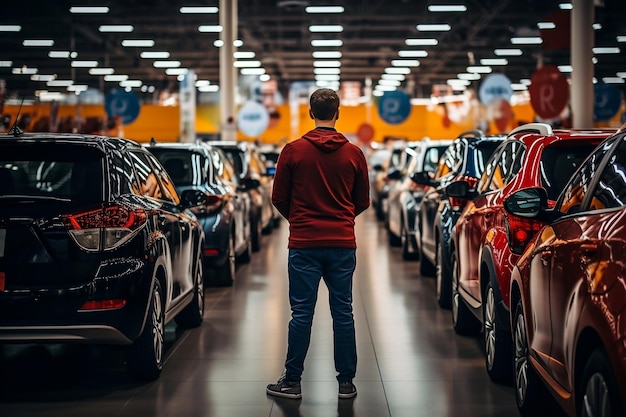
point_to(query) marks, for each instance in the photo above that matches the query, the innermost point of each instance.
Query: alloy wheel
(489, 323)
(158, 325)
(200, 288)
(455, 291)
(520, 360)
(596, 402)
(439, 271)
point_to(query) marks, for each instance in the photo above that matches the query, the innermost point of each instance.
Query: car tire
(427, 269)
(463, 320)
(407, 255)
(191, 316)
(225, 273)
(245, 256)
(597, 393)
(531, 395)
(380, 213)
(443, 279)
(497, 342)
(394, 240)
(144, 358)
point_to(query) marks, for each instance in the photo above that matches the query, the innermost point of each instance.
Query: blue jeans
(306, 267)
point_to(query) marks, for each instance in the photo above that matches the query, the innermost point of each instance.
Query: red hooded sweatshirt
(321, 184)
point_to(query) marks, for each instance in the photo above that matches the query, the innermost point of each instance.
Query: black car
(437, 214)
(96, 246)
(205, 174)
(253, 176)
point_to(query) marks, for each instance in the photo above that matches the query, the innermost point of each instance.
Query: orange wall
(162, 123)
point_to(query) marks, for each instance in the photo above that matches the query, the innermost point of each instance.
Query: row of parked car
(525, 235)
(105, 240)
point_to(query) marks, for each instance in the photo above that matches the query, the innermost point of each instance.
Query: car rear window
(559, 162)
(51, 171)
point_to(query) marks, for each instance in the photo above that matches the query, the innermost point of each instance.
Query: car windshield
(558, 164)
(482, 154)
(183, 166)
(50, 171)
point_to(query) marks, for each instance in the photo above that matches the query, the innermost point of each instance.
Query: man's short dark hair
(324, 103)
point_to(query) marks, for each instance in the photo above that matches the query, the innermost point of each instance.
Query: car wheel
(598, 391)
(145, 356)
(463, 321)
(191, 316)
(380, 213)
(225, 273)
(530, 392)
(496, 340)
(393, 239)
(407, 255)
(443, 277)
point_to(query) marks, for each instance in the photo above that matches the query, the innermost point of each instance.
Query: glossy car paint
(571, 284)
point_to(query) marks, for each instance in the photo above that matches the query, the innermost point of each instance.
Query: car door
(579, 252)
(172, 222)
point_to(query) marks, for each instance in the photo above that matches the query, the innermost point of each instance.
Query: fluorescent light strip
(412, 54)
(325, 28)
(396, 77)
(210, 28)
(199, 10)
(42, 77)
(202, 83)
(597, 26)
(479, 69)
(131, 83)
(565, 68)
(89, 10)
(442, 27)
(508, 52)
(264, 77)
(318, 71)
(59, 54)
(327, 77)
(247, 64)
(606, 50)
(326, 42)
(166, 64)
(24, 70)
(527, 40)
(59, 83)
(6, 64)
(566, 6)
(324, 9)
(613, 80)
(405, 63)
(84, 64)
(244, 55)
(494, 61)
(546, 25)
(621, 39)
(389, 82)
(101, 71)
(456, 81)
(619, 74)
(421, 42)
(10, 28)
(518, 87)
(438, 8)
(397, 70)
(209, 88)
(472, 76)
(77, 87)
(176, 71)
(326, 54)
(252, 71)
(326, 64)
(116, 28)
(138, 43)
(154, 55)
(113, 77)
(38, 42)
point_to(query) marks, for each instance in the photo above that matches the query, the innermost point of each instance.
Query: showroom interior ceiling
(375, 34)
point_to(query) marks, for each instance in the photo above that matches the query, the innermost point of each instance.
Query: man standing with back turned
(321, 185)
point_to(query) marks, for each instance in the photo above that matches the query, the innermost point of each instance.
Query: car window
(502, 167)
(558, 164)
(122, 175)
(431, 158)
(148, 184)
(578, 186)
(183, 166)
(452, 159)
(168, 187)
(68, 173)
(611, 189)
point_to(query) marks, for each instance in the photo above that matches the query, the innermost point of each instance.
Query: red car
(487, 240)
(568, 292)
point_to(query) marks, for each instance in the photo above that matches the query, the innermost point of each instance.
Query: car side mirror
(460, 189)
(394, 174)
(528, 202)
(423, 178)
(192, 198)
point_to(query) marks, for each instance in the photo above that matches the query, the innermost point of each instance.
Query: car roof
(102, 142)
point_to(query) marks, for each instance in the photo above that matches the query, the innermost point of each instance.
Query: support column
(582, 42)
(228, 74)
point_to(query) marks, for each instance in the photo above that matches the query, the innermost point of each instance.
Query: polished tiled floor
(411, 363)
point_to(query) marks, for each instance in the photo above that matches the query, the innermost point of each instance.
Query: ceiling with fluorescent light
(277, 32)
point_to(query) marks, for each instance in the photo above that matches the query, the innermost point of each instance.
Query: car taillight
(114, 304)
(104, 228)
(208, 204)
(458, 203)
(520, 232)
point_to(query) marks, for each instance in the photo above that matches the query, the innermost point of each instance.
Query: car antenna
(15, 129)
(152, 141)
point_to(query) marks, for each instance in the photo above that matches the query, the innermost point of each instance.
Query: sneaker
(284, 388)
(347, 389)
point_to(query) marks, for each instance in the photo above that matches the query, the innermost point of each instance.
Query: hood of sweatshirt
(326, 140)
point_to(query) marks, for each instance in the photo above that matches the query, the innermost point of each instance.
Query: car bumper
(56, 314)
(216, 235)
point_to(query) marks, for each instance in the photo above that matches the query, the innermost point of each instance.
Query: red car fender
(502, 259)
